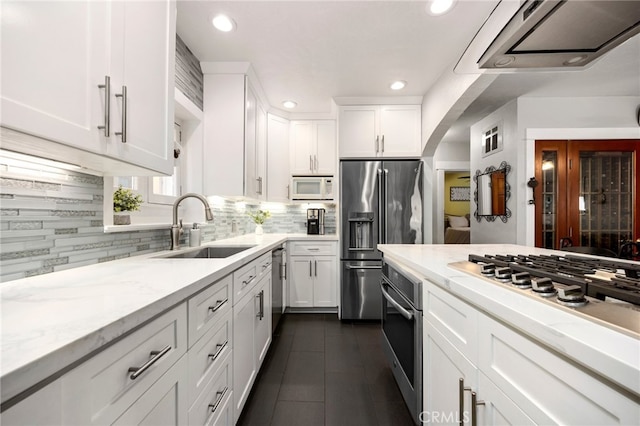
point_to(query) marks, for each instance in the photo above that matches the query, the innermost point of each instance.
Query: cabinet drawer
(452, 317)
(245, 278)
(534, 376)
(306, 248)
(164, 404)
(213, 401)
(206, 356)
(101, 389)
(207, 306)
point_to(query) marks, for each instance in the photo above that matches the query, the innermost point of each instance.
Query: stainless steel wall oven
(402, 331)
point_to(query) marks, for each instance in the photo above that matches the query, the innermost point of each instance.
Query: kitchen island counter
(613, 354)
(53, 322)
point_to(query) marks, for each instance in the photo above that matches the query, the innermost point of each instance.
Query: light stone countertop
(52, 322)
(610, 353)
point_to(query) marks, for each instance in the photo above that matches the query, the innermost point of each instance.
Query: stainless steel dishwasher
(278, 275)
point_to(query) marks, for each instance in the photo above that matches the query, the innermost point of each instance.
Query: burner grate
(598, 278)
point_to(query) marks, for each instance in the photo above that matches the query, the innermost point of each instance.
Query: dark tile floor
(321, 371)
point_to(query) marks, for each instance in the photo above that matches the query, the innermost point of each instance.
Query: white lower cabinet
(251, 331)
(194, 364)
(42, 408)
(470, 357)
(165, 403)
(212, 406)
(313, 280)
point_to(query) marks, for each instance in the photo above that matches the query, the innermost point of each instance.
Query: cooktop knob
(543, 286)
(521, 280)
(487, 268)
(503, 274)
(572, 296)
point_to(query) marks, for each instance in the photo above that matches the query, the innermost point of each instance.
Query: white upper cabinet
(54, 56)
(313, 147)
(143, 62)
(278, 178)
(235, 134)
(380, 131)
(64, 65)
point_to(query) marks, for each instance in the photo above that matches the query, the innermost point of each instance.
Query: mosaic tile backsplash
(52, 219)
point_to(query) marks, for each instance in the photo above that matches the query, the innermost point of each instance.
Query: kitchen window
(158, 192)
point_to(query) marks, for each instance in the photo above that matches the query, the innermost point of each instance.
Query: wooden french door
(587, 192)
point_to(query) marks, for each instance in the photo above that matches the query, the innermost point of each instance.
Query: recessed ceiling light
(289, 104)
(398, 85)
(223, 23)
(439, 7)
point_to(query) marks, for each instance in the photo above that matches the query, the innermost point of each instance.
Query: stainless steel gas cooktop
(603, 290)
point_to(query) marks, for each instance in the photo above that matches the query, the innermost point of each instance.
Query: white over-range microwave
(312, 188)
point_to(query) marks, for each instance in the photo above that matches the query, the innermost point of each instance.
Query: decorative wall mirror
(491, 193)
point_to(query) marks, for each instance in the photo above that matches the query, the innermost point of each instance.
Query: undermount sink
(214, 252)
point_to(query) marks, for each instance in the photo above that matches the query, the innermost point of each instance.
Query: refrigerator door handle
(386, 191)
(380, 208)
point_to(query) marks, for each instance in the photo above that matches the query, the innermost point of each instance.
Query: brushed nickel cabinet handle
(383, 143)
(474, 408)
(218, 305)
(219, 348)
(377, 144)
(107, 105)
(219, 397)
(123, 133)
(155, 357)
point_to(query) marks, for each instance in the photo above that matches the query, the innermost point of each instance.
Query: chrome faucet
(176, 230)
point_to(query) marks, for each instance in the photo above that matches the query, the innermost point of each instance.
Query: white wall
(506, 118)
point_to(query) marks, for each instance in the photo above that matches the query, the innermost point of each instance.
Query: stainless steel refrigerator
(380, 203)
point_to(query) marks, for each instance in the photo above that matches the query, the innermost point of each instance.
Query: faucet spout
(176, 229)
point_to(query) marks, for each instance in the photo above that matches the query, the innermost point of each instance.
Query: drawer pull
(219, 304)
(156, 355)
(313, 248)
(219, 397)
(220, 347)
(251, 278)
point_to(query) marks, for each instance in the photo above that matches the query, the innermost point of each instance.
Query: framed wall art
(460, 193)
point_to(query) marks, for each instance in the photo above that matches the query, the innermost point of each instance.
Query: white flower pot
(259, 230)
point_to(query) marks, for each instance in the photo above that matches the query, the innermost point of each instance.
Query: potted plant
(259, 218)
(124, 200)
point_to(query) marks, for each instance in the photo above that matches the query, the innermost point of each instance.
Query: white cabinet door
(224, 121)
(250, 138)
(301, 282)
(43, 408)
(496, 408)
(358, 131)
(326, 147)
(142, 61)
(446, 370)
(313, 147)
(244, 350)
(400, 130)
(164, 404)
(54, 56)
(278, 174)
(380, 131)
(302, 147)
(261, 152)
(262, 318)
(324, 281)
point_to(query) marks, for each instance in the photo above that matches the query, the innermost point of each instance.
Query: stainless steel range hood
(562, 33)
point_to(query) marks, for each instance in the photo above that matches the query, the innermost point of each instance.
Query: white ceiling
(313, 51)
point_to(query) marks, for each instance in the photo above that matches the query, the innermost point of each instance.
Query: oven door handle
(408, 315)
